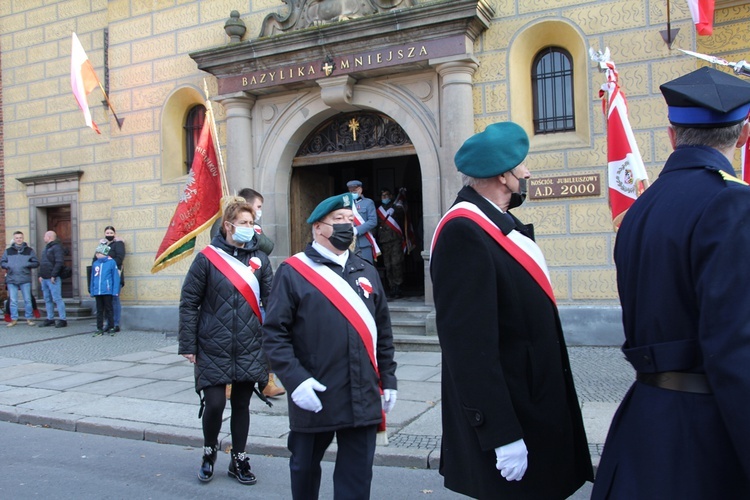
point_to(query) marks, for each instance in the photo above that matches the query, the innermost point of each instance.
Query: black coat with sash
(218, 325)
(306, 336)
(683, 274)
(506, 374)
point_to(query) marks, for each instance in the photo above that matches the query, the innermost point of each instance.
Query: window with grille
(552, 85)
(193, 126)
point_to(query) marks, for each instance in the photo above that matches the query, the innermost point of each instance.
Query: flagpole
(118, 120)
(209, 107)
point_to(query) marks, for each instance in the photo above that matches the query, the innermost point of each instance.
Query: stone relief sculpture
(305, 13)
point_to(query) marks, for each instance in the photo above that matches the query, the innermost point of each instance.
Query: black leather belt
(696, 383)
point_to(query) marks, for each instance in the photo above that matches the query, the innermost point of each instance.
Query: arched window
(193, 126)
(552, 87)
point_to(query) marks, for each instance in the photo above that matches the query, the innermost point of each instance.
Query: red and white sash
(389, 220)
(358, 221)
(514, 243)
(342, 296)
(241, 276)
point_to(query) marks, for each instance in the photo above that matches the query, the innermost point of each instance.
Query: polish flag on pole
(627, 174)
(83, 80)
(702, 12)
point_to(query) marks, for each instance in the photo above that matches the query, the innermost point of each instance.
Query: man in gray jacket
(18, 260)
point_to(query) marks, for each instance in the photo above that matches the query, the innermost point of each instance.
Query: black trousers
(352, 474)
(239, 421)
(104, 306)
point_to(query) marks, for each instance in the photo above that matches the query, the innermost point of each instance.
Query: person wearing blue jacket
(105, 284)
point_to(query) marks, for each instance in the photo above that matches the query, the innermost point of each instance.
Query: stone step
(424, 343)
(408, 316)
(73, 309)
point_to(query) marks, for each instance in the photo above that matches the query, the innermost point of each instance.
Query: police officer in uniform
(682, 274)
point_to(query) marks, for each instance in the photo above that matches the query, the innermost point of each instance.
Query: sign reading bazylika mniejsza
(571, 186)
(344, 64)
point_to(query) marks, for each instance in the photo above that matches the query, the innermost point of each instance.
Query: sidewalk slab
(20, 370)
(159, 389)
(36, 378)
(137, 356)
(112, 385)
(416, 373)
(72, 380)
(101, 366)
(143, 410)
(60, 401)
(20, 395)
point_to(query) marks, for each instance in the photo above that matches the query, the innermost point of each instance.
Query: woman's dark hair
(110, 227)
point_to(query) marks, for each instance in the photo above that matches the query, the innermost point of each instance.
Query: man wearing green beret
(512, 425)
(328, 337)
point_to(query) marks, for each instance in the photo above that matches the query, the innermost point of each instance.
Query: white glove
(389, 212)
(304, 395)
(511, 460)
(389, 399)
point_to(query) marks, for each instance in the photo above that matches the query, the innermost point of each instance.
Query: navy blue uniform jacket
(683, 274)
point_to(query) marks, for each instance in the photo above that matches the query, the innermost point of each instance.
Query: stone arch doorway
(374, 149)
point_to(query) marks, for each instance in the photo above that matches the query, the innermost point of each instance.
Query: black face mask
(110, 238)
(342, 236)
(516, 199)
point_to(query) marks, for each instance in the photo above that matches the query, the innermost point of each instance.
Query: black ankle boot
(207, 467)
(239, 468)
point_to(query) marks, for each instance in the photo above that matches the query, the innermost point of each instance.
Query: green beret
(501, 147)
(328, 205)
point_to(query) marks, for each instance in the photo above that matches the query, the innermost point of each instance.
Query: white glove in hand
(511, 460)
(304, 395)
(389, 212)
(389, 399)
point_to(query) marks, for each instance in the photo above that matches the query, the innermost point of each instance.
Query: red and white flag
(83, 80)
(702, 12)
(199, 205)
(627, 174)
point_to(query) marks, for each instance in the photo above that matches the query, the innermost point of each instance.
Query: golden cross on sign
(354, 126)
(328, 68)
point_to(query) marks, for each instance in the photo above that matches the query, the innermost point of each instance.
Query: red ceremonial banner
(199, 206)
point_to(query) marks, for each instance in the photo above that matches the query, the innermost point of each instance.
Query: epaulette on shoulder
(730, 178)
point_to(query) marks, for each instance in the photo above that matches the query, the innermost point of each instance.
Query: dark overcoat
(306, 336)
(506, 374)
(683, 273)
(218, 325)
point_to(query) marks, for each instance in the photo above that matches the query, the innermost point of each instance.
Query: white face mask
(258, 214)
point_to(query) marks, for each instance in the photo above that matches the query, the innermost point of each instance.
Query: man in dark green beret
(512, 425)
(682, 275)
(328, 337)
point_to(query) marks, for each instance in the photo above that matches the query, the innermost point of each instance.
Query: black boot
(396, 292)
(207, 467)
(239, 468)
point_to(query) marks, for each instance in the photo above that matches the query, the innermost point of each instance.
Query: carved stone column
(239, 161)
(456, 119)
(456, 125)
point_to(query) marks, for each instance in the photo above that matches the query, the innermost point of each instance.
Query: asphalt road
(49, 463)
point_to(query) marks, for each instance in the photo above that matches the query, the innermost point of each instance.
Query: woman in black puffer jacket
(220, 331)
